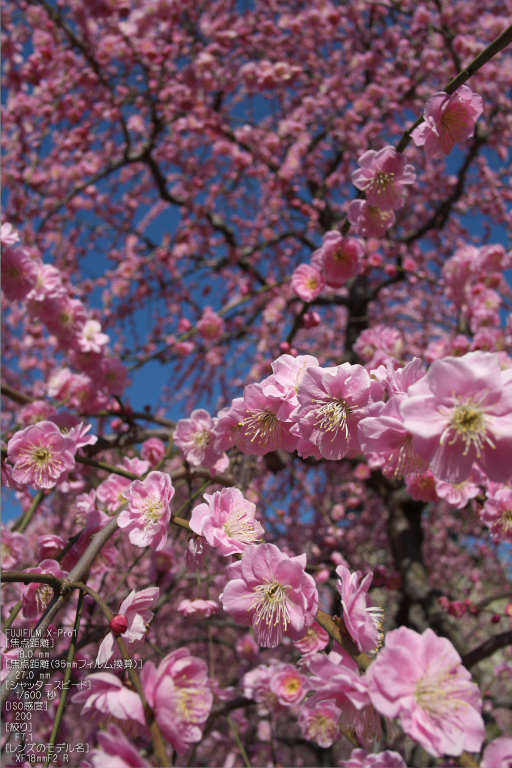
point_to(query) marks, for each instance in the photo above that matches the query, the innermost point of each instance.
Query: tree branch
(487, 648)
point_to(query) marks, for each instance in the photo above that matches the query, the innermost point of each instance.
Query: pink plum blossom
(459, 495)
(153, 450)
(398, 380)
(266, 421)
(7, 480)
(8, 235)
(382, 431)
(271, 591)
(226, 521)
(14, 547)
(247, 647)
(41, 455)
(114, 375)
(110, 493)
(19, 273)
(226, 427)
(497, 514)
(288, 685)
(315, 639)
(331, 402)
(498, 754)
(194, 437)
(340, 258)
(362, 620)
(91, 338)
(256, 685)
(211, 325)
(288, 372)
(136, 610)
(179, 695)
(108, 699)
(198, 609)
(307, 282)
(335, 677)
(38, 410)
(49, 546)
(78, 434)
(368, 220)
(360, 758)
(76, 430)
(376, 345)
(135, 465)
(64, 317)
(449, 119)
(116, 751)
(36, 597)
(421, 486)
(383, 176)
(421, 680)
(48, 286)
(318, 722)
(460, 413)
(149, 510)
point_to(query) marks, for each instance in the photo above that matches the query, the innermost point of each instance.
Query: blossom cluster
(455, 420)
(48, 299)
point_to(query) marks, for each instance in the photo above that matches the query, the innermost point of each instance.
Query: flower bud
(119, 624)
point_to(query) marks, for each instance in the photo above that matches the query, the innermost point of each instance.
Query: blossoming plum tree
(257, 381)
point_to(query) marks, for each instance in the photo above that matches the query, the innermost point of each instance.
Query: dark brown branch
(15, 396)
(486, 649)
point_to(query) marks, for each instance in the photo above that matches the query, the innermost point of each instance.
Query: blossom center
(238, 526)
(202, 439)
(438, 694)
(42, 456)
(189, 700)
(66, 319)
(379, 216)
(153, 511)
(468, 424)
(340, 254)
(271, 604)
(312, 283)
(263, 426)
(292, 685)
(323, 729)
(381, 181)
(333, 415)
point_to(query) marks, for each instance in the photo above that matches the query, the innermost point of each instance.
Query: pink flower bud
(322, 575)
(311, 320)
(184, 325)
(119, 624)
